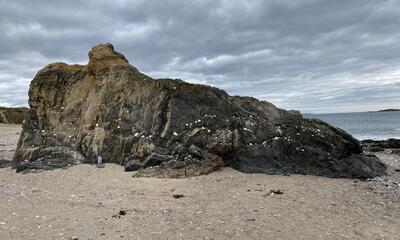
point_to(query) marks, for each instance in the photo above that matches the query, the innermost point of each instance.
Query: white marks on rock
(300, 149)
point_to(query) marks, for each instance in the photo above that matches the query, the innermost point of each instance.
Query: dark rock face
(381, 145)
(170, 128)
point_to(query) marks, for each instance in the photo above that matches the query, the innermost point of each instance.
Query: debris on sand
(272, 192)
(120, 213)
(178, 196)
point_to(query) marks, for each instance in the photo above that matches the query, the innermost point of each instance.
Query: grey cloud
(312, 55)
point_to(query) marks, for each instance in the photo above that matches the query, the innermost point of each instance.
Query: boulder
(4, 163)
(133, 165)
(171, 128)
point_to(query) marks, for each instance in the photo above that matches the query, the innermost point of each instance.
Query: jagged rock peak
(104, 55)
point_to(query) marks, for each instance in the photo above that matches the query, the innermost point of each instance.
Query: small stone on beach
(178, 196)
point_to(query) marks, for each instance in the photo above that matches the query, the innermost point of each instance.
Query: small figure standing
(99, 162)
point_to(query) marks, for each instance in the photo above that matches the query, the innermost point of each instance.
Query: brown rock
(170, 128)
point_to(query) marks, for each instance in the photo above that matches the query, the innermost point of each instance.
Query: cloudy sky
(312, 55)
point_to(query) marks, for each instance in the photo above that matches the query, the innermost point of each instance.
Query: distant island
(390, 110)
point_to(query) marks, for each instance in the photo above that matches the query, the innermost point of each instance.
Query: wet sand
(91, 203)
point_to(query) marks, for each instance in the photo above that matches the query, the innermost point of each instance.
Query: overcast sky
(311, 55)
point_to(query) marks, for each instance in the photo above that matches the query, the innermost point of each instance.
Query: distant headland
(390, 110)
(13, 115)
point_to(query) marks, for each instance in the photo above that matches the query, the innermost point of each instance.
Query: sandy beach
(85, 202)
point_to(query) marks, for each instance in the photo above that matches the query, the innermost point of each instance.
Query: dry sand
(85, 202)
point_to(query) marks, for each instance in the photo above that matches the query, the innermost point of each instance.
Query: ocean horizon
(364, 125)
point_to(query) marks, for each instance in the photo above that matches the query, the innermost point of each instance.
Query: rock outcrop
(170, 128)
(390, 144)
(13, 115)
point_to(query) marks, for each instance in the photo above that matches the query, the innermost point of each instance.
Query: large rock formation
(170, 128)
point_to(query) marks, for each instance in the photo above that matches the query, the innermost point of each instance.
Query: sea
(364, 125)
